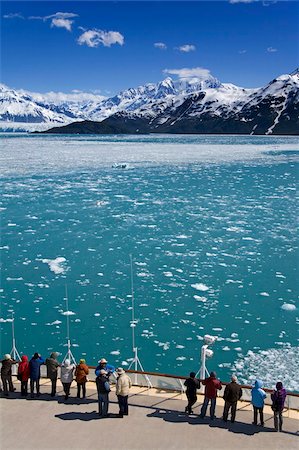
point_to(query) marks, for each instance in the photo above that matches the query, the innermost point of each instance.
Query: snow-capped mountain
(193, 105)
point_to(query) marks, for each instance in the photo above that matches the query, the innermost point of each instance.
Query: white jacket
(123, 385)
(67, 373)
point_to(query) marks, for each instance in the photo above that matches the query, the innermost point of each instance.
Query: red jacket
(24, 369)
(211, 386)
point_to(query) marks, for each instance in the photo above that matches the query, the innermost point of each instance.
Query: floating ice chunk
(200, 299)
(200, 287)
(56, 322)
(14, 279)
(5, 320)
(168, 274)
(115, 352)
(55, 264)
(97, 314)
(68, 313)
(264, 294)
(124, 363)
(288, 307)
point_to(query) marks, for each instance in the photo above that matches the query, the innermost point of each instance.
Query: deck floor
(156, 421)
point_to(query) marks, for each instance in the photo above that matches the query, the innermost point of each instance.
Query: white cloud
(242, 52)
(186, 48)
(160, 45)
(94, 38)
(271, 50)
(62, 23)
(58, 15)
(58, 20)
(13, 16)
(198, 72)
(242, 1)
(57, 98)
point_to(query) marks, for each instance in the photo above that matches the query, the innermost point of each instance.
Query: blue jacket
(109, 369)
(34, 365)
(257, 394)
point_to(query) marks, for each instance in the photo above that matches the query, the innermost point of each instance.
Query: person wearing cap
(81, 377)
(192, 384)
(103, 365)
(52, 371)
(232, 393)
(103, 388)
(278, 398)
(212, 385)
(34, 365)
(6, 378)
(123, 385)
(66, 376)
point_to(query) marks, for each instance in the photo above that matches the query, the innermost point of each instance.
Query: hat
(120, 370)
(7, 356)
(82, 361)
(103, 361)
(103, 372)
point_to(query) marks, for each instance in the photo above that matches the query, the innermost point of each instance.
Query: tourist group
(232, 392)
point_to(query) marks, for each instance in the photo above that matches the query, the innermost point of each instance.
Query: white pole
(133, 305)
(203, 362)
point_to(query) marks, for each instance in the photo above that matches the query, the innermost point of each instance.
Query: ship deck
(156, 421)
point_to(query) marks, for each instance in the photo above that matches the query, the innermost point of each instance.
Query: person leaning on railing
(34, 366)
(192, 383)
(81, 373)
(212, 385)
(232, 393)
(278, 398)
(6, 373)
(52, 371)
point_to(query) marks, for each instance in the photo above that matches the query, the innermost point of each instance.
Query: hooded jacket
(34, 366)
(67, 371)
(278, 398)
(211, 386)
(24, 369)
(123, 385)
(52, 366)
(81, 372)
(258, 395)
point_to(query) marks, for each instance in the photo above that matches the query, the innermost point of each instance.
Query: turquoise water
(210, 223)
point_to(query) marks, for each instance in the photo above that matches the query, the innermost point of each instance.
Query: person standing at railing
(232, 393)
(123, 385)
(278, 398)
(6, 373)
(81, 377)
(212, 385)
(34, 366)
(23, 375)
(192, 385)
(52, 371)
(103, 388)
(258, 396)
(66, 376)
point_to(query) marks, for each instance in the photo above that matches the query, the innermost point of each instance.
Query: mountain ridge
(193, 105)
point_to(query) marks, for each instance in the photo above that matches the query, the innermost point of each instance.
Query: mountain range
(197, 105)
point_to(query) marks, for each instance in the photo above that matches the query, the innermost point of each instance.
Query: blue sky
(110, 46)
